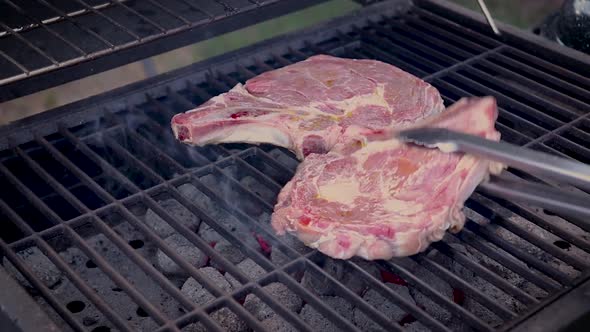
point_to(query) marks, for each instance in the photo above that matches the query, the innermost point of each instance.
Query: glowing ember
(393, 278)
(458, 296)
(264, 246)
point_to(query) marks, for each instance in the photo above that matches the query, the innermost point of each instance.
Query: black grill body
(89, 189)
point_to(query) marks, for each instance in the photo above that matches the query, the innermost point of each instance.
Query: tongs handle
(534, 162)
(555, 200)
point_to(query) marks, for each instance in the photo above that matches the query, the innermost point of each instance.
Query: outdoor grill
(106, 219)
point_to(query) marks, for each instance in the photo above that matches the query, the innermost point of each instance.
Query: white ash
(208, 234)
(277, 324)
(321, 323)
(175, 209)
(229, 252)
(478, 283)
(248, 267)
(112, 293)
(217, 213)
(280, 293)
(227, 319)
(39, 264)
(426, 302)
(199, 294)
(534, 250)
(417, 327)
(532, 228)
(186, 250)
(383, 305)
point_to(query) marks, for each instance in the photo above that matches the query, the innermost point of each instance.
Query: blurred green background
(524, 14)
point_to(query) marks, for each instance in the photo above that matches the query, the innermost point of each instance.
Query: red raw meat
(383, 198)
(308, 106)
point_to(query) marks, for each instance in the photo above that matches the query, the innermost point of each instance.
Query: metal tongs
(555, 200)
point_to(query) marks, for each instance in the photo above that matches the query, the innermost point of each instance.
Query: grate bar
(503, 113)
(119, 280)
(162, 281)
(553, 133)
(534, 113)
(398, 59)
(79, 26)
(118, 148)
(513, 136)
(29, 195)
(456, 282)
(505, 61)
(556, 95)
(422, 51)
(514, 265)
(550, 67)
(436, 297)
(392, 42)
(256, 256)
(145, 19)
(82, 176)
(108, 18)
(83, 287)
(185, 232)
(324, 309)
(63, 266)
(438, 41)
(461, 30)
(549, 226)
(39, 286)
(415, 310)
(423, 25)
(166, 284)
(485, 273)
(172, 13)
(139, 139)
(180, 99)
(190, 4)
(14, 62)
(105, 166)
(525, 257)
(50, 180)
(463, 63)
(365, 307)
(503, 218)
(12, 215)
(28, 43)
(531, 98)
(46, 28)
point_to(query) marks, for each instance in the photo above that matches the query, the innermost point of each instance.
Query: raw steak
(307, 106)
(384, 198)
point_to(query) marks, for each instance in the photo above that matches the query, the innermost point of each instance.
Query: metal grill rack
(37, 37)
(73, 183)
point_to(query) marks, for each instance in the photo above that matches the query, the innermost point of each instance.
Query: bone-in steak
(307, 106)
(384, 198)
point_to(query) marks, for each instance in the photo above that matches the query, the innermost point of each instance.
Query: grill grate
(87, 208)
(39, 36)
